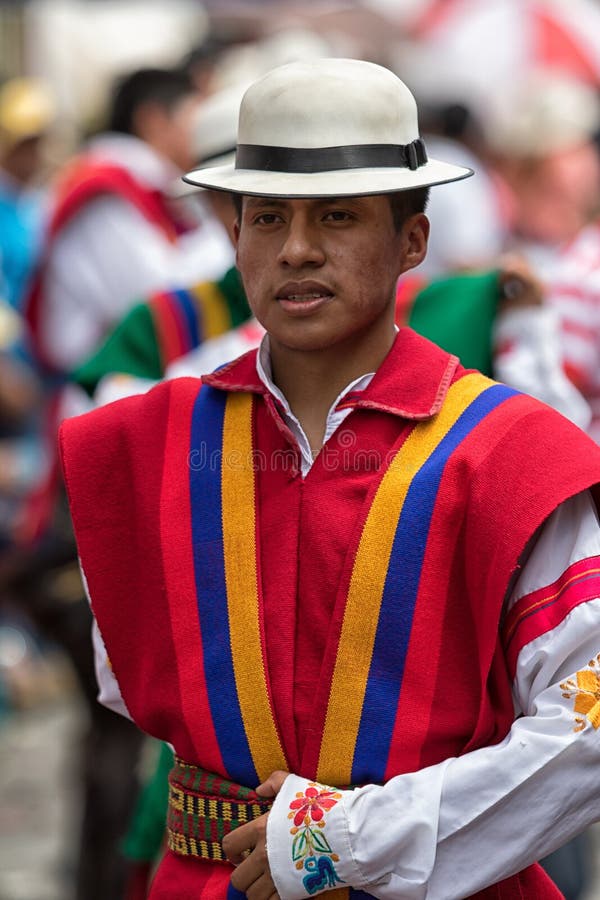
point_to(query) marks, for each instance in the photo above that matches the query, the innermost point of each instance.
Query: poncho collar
(411, 382)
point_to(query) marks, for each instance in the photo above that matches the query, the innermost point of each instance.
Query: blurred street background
(136, 92)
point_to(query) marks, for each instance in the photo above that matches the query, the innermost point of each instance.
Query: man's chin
(308, 342)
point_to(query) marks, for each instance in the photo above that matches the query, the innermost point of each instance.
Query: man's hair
(404, 204)
(166, 87)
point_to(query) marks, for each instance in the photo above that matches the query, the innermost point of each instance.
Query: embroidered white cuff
(381, 840)
(307, 840)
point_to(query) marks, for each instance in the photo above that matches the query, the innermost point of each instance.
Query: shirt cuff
(308, 843)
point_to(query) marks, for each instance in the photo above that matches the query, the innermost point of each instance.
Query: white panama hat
(327, 128)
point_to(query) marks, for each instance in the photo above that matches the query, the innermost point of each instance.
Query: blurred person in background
(546, 155)
(22, 457)
(542, 145)
(115, 233)
(172, 322)
(26, 115)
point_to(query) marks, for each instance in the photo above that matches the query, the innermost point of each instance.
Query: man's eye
(337, 215)
(266, 219)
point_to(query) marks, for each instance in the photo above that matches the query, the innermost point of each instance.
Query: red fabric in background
(84, 181)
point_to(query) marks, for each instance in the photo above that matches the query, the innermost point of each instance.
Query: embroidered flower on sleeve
(313, 804)
(585, 688)
(311, 850)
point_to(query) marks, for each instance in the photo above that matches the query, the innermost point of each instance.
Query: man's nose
(301, 245)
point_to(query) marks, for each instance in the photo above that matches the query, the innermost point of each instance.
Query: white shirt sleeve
(528, 356)
(104, 261)
(474, 820)
(109, 693)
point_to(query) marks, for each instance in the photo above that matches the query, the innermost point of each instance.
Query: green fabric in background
(132, 348)
(146, 833)
(458, 314)
(232, 289)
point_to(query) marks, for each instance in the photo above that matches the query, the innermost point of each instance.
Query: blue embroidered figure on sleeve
(321, 874)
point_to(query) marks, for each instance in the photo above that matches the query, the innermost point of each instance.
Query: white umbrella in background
(471, 49)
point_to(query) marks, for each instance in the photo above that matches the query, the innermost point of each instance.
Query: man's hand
(246, 848)
(518, 286)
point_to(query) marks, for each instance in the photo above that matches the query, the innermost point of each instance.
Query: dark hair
(238, 202)
(166, 87)
(403, 204)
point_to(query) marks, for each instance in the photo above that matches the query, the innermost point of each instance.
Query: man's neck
(312, 380)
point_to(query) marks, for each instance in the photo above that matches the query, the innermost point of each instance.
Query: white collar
(265, 373)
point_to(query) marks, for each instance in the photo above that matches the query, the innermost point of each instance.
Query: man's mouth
(302, 298)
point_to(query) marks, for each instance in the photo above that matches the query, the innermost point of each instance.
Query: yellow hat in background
(27, 109)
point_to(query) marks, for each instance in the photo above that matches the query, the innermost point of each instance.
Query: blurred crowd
(115, 274)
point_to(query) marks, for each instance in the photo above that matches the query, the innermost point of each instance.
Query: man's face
(170, 131)
(320, 271)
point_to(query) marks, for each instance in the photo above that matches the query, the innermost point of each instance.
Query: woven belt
(203, 808)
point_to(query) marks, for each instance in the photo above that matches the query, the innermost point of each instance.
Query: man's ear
(415, 235)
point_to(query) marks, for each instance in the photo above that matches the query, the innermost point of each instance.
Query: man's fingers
(261, 889)
(244, 838)
(246, 848)
(238, 842)
(247, 873)
(251, 870)
(273, 784)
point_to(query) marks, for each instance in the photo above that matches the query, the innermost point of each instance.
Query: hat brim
(181, 187)
(338, 183)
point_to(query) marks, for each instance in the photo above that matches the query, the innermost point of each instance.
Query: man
(115, 234)
(345, 557)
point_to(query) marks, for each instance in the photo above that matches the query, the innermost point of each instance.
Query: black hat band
(300, 160)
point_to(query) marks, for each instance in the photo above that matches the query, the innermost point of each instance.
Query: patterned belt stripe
(203, 808)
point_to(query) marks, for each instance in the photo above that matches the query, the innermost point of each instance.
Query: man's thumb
(273, 784)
